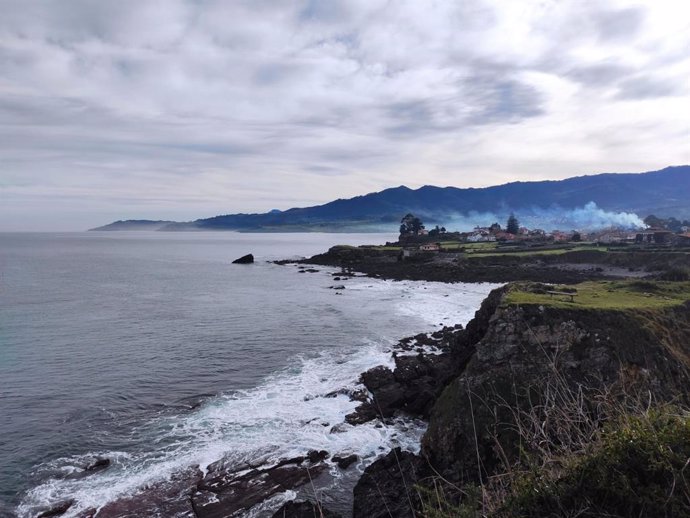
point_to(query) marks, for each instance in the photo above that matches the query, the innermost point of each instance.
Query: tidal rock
(167, 498)
(412, 387)
(245, 259)
(56, 510)
(306, 509)
(222, 494)
(315, 456)
(344, 461)
(362, 414)
(98, 464)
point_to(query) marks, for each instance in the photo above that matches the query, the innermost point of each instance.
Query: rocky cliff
(531, 346)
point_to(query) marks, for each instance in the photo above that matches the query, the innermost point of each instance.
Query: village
(414, 236)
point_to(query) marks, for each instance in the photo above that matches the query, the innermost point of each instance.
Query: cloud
(198, 107)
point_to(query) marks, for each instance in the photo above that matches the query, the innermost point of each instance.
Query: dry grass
(581, 451)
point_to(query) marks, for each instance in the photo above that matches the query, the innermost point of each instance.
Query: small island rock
(245, 259)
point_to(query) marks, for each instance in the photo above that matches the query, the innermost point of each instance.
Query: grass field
(604, 295)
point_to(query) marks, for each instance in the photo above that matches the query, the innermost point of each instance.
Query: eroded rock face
(387, 487)
(524, 348)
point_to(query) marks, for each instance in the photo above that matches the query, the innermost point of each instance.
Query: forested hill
(664, 193)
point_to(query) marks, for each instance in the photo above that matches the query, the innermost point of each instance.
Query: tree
(655, 222)
(577, 237)
(513, 225)
(410, 224)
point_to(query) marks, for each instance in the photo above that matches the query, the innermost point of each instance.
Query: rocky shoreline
(508, 353)
(505, 353)
(423, 365)
(569, 267)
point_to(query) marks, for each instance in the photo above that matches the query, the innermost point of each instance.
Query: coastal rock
(306, 509)
(315, 456)
(387, 487)
(221, 494)
(56, 510)
(167, 498)
(412, 387)
(345, 461)
(98, 464)
(363, 413)
(521, 349)
(245, 259)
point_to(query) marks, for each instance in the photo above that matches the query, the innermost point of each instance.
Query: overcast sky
(180, 109)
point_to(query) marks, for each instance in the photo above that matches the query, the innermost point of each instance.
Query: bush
(636, 469)
(675, 274)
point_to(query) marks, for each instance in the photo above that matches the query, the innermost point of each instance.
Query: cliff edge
(553, 370)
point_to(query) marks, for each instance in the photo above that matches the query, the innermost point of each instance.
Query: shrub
(637, 468)
(675, 274)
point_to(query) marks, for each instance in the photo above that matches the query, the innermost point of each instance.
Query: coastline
(582, 329)
(424, 367)
(293, 469)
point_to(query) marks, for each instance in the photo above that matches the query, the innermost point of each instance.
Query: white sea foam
(285, 416)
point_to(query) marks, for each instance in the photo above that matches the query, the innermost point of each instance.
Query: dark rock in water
(98, 464)
(344, 461)
(337, 287)
(304, 510)
(413, 387)
(377, 377)
(311, 270)
(245, 259)
(387, 487)
(167, 498)
(362, 414)
(293, 460)
(56, 510)
(360, 395)
(315, 456)
(222, 494)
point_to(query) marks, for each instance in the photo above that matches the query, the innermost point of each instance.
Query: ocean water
(152, 350)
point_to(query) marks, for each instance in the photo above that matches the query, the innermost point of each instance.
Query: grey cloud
(646, 88)
(478, 101)
(600, 74)
(619, 24)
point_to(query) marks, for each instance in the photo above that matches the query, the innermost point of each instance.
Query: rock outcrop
(506, 359)
(387, 487)
(245, 259)
(528, 347)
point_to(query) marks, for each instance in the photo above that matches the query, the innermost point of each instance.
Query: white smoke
(588, 217)
(591, 217)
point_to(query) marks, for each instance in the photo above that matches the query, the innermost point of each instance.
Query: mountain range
(664, 193)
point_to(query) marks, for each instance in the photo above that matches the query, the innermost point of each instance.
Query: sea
(152, 350)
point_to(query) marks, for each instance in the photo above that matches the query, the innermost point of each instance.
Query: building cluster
(526, 236)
